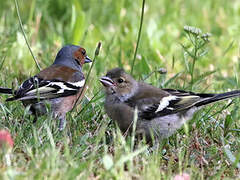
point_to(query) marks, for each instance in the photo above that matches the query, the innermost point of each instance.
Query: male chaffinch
(160, 111)
(58, 85)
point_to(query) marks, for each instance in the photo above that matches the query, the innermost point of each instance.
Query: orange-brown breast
(68, 102)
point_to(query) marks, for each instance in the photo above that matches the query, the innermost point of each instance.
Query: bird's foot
(62, 123)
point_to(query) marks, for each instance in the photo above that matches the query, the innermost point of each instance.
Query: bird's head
(72, 56)
(120, 84)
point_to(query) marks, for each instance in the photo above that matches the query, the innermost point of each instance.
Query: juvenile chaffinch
(160, 111)
(58, 85)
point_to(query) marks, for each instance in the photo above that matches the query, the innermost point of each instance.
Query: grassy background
(90, 148)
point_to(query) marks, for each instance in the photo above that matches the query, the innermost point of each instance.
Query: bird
(160, 112)
(59, 85)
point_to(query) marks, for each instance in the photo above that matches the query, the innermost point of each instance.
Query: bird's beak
(106, 81)
(87, 60)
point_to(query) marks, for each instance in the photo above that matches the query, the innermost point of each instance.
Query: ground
(91, 146)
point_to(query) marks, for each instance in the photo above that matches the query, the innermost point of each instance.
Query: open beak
(106, 81)
(87, 60)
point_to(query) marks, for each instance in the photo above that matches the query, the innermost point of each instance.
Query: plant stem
(25, 37)
(139, 35)
(84, 86)
(194, 60)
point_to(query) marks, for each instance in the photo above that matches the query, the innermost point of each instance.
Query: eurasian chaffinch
(160, 111)
(58, 85)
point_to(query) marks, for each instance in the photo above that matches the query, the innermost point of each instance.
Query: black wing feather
(32, 89)
(183, 100)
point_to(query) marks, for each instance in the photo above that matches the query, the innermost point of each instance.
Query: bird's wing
(173, 101)
(38, 88)
(4, 90)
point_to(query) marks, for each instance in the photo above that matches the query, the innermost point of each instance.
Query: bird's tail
(210, 98)
(6, 90)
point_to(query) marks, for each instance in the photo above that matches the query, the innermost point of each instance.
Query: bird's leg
(62, 122)
(34, 112)
(35, 118)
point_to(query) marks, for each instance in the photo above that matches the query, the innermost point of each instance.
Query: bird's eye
(120, 80)
(84, 52)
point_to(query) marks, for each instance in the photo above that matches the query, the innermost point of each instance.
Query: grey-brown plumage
(160, 111)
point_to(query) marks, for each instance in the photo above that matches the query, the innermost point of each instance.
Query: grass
(91, 147)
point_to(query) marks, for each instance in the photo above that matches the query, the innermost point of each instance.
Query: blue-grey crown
(65, 57)
(67, 51)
